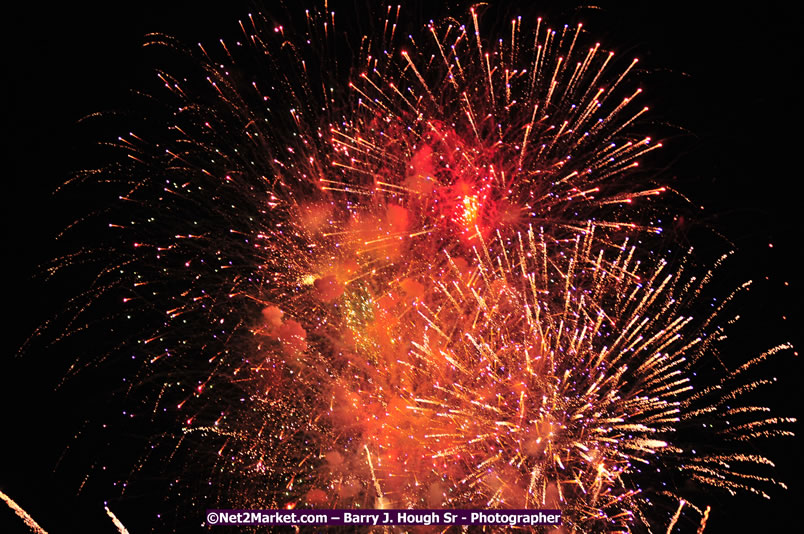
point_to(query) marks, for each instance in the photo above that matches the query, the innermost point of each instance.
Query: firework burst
(420, 283)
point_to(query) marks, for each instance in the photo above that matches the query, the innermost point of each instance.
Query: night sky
(725, 89)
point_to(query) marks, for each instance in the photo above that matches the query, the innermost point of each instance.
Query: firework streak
(27, 519)
(424, 283)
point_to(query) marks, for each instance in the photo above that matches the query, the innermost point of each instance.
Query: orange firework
(427, 283)
(558, 377)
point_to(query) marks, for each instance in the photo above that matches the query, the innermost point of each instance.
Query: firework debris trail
(436, 286)
(117, 523)
(34, 526)
(29, 521)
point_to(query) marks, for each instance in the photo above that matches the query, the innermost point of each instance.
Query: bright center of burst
(471, 208)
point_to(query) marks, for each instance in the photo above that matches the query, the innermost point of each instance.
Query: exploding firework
(415, 283)
(556, 377)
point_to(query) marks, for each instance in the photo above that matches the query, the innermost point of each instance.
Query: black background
(726, 79)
